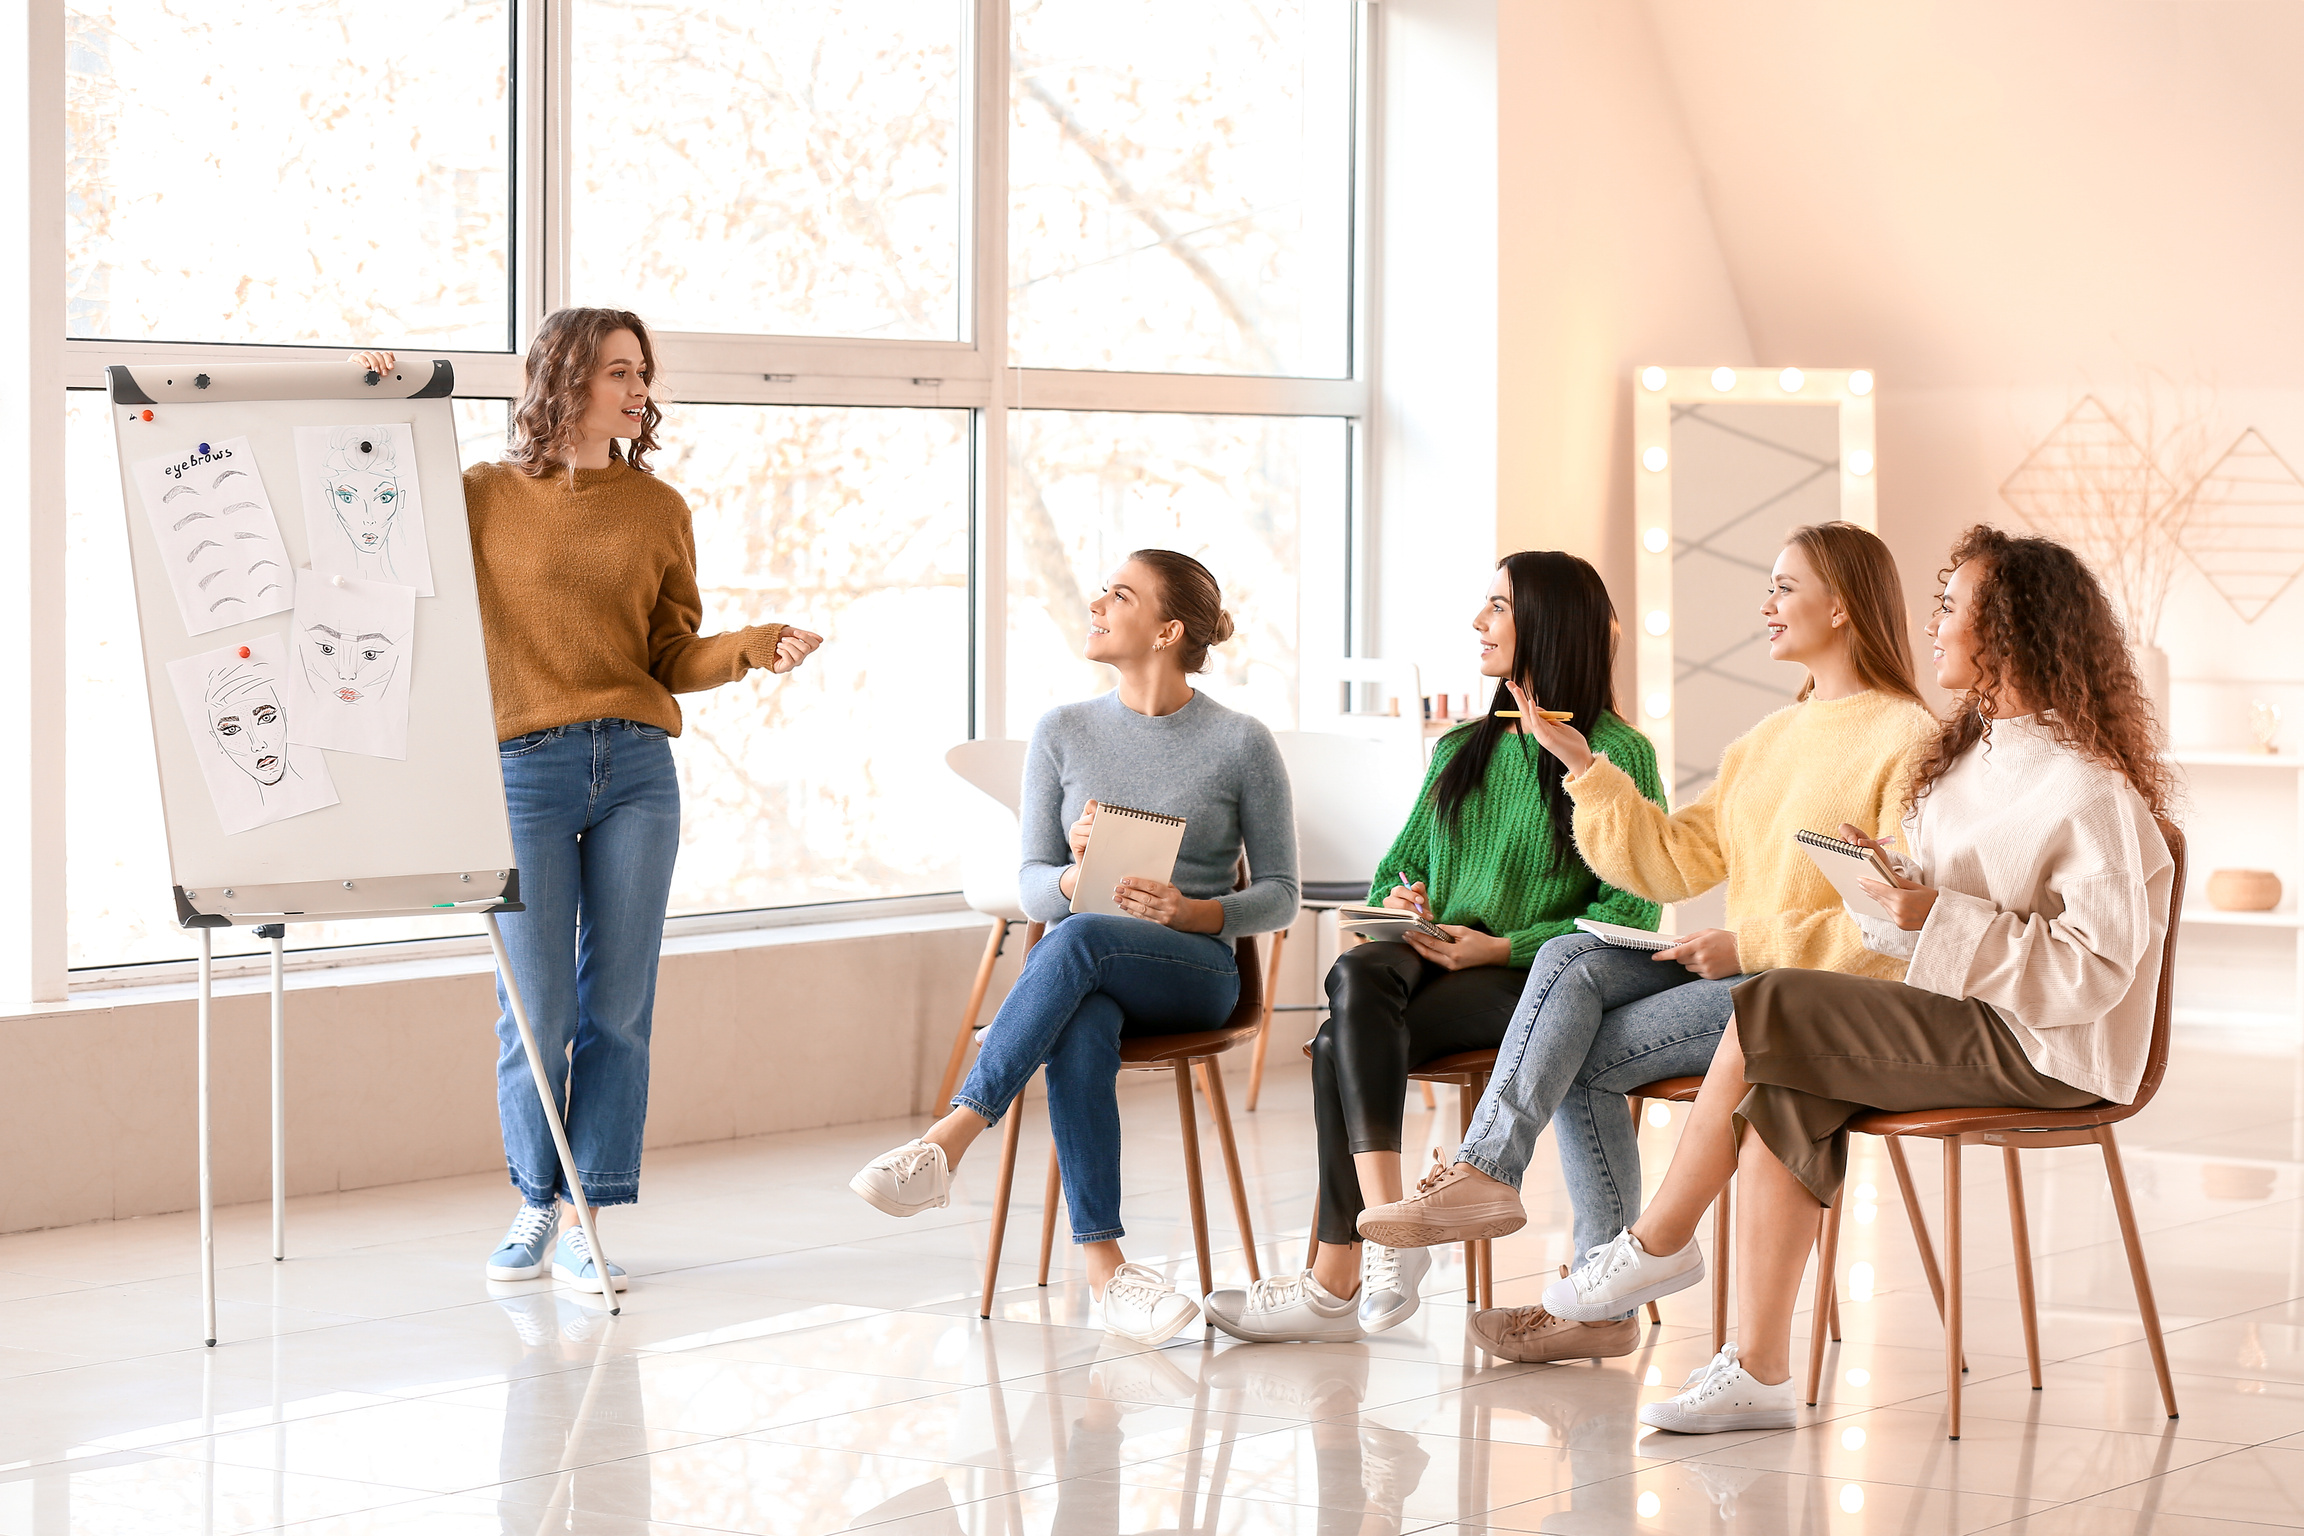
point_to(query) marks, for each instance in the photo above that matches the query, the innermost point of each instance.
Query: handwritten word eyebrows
(177, 470)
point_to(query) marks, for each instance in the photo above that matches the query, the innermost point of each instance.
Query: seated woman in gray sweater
(1152, 744)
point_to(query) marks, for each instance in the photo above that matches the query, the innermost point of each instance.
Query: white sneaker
(907, 1181)
(1620, 1275)
(1286, 1309)
(1391, 1282)
(1137, 1304)
(1723, 1396)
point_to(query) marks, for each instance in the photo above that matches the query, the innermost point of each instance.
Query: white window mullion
(32, 660)
(540, 37)
(988, 325)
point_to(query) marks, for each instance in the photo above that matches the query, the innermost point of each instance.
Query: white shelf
(2206, 758)
(2243, 919)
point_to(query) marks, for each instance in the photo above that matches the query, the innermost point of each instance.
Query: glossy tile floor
(790, 1361)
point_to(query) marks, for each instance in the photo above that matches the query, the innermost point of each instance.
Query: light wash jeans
(1595, 1021)
(1090, 980)
(595, 827)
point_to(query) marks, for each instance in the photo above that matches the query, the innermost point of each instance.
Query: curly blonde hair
(560, 364)
(2045, 629)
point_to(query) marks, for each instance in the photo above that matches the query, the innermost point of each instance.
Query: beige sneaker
(1535, 1336)
(1451, 1205)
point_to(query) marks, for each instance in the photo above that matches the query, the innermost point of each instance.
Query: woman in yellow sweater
(1596, 1020)
(588, 601)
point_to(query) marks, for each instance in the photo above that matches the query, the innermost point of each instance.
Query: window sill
(367, 965)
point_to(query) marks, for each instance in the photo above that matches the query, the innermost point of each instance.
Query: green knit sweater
(1495, 870)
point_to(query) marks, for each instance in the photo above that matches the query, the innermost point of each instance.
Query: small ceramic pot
(2243, 890)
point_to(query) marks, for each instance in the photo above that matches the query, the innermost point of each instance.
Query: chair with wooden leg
(1180, 1055)
(1683, 1090)
(2012, 1130)
(987, 882)
(1468, 1073)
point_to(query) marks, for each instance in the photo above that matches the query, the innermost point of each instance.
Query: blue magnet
(203, 449)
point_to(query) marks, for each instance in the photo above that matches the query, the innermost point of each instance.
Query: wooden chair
(1468, 1073)
(1683, 1090)
(2011, 1130)
(1181, 1055)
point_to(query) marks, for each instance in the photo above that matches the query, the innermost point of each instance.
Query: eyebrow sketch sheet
(236, 707)
(354, 662)
(363, 515)
(216, 532)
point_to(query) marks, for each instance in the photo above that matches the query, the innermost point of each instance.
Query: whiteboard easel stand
(277, 932)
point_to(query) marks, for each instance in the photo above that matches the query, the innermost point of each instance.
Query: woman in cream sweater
(1595, 1020)
(2030, 914)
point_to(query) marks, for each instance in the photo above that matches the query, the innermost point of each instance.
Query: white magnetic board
(403, 836)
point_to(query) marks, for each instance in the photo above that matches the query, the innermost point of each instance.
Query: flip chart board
(228, 473)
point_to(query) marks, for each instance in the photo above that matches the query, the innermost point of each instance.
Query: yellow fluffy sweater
(1812, 765)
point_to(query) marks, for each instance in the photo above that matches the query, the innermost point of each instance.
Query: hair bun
(1223, 626)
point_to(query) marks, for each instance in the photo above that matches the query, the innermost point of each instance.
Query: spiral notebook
(1846, 865)
(1125, 843)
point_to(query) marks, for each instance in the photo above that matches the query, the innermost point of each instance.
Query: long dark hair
(2044, 627)
(1564, 654)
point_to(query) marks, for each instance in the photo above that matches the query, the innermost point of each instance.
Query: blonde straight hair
(1858, 570)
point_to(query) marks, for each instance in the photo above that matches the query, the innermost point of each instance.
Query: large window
(948, 324)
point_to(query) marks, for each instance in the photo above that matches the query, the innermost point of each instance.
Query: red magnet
(147, 415)
(243, 653)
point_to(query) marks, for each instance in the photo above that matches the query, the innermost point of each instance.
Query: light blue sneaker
(521, 1255)
(572, 1262)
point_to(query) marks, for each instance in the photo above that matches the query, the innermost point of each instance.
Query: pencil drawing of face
(352, 669)
(245, 718)
(362, 481)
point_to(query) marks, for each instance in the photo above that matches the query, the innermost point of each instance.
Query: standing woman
(1486, 856)
(1167, 966)
(587, 573)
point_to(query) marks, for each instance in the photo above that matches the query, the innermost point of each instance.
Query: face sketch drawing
(247, 723)
(352, 669)
(361, 479)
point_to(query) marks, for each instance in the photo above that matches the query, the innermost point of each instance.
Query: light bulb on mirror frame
(1657, 621)
(1653, 458)
(1860, 382)
(1860, 461)
(1652, 379)
(1723, 379)
(1655, 541)
(1657, 704)
(1790, 380)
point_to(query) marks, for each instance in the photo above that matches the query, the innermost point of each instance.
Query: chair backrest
(2164, 1004)
(995, 767)
(1352, 795)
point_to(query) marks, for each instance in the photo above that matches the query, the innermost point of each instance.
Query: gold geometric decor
(2091, 484)
(2246, 533)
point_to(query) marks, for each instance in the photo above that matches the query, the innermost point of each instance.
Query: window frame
(716, 368)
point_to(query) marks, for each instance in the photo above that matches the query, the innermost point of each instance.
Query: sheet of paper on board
(363, 509)
(218, 538)
(352, 652)
(237, 710)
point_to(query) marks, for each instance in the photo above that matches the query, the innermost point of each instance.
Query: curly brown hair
(561, 361)
(2045, 630)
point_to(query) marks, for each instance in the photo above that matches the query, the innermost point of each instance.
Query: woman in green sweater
(1487, 857)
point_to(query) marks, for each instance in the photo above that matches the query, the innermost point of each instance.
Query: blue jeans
(1595, 1022)
(1091, 980)
(595, 827)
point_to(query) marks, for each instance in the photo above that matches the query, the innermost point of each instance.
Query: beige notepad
(1123, 844)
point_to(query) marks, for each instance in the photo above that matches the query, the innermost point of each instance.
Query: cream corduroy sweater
(1812, 765)
(2053, 885)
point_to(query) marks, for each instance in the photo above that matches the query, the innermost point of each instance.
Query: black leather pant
(1390, 1011)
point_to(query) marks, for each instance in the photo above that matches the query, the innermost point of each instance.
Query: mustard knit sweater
(588, 599)
(1813, 765)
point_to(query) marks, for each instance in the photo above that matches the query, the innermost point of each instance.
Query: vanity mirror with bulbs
(1725, 460)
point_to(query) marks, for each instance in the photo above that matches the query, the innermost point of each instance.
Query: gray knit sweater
(1218, 769)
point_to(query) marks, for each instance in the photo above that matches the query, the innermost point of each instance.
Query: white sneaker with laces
(1137, 1304)
(1723, 1396)
(1286, 1309)
(1620, 1275)
(907, 1181)
(1391, 1282)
